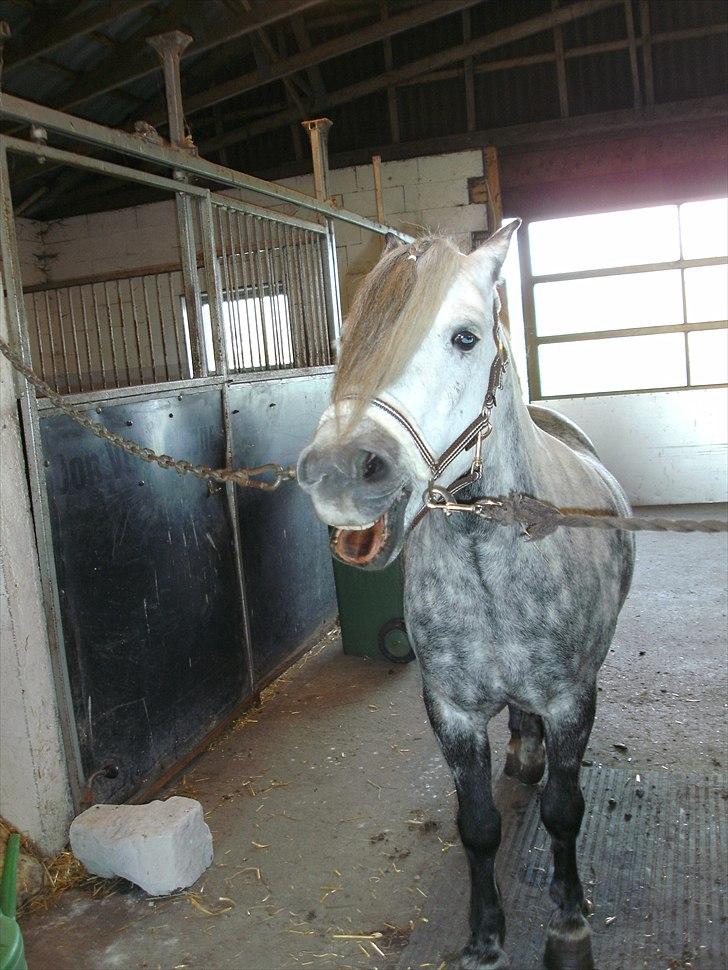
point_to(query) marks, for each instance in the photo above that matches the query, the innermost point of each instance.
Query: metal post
(18, 330)
(169, 48)
(214, 283)
(318, 133)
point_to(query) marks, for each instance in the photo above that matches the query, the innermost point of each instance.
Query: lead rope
(537, 519)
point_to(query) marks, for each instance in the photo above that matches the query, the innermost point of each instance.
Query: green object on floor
(12, 953)
(371, 611)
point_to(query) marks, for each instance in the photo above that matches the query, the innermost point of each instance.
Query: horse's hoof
(478, 956)
(569, 945)
(527, 773)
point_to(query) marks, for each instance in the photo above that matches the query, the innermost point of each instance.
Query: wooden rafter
(424, 12)
(45, 32)
(443, 58)
(134, 60)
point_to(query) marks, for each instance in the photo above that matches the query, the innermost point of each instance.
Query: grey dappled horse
(494, 619)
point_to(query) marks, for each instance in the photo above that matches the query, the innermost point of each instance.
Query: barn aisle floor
(332, 812)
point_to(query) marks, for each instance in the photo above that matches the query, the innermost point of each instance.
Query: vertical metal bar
(285, 290)
(39, 495)
(122, 323)
(178, 328)
(273, 294)
(41, 356)
(633, 62)
(300, 323)
(49, 320)
(241, 226)
(111, 334)
(215, 304)
(214, 287)
(236, 319)
(169, 47)
(158, 291)
(72, 318)
(84, 318)
(647, 52)
(135, 321)
(258, 293)
(319, 299)
(64, 354)
(152, 354)
(684, 298)
(227, 302)
(309, 325)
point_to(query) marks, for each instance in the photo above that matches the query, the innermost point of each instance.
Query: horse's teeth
(357, 528)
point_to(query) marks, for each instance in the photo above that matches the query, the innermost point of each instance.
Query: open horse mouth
(369, 546)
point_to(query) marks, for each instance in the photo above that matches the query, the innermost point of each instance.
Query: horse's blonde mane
(394, 307)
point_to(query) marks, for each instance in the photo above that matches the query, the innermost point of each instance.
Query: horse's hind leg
(463, 737)
(526, 757)
(568, 945)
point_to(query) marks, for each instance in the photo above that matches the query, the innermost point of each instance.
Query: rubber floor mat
(652, 857)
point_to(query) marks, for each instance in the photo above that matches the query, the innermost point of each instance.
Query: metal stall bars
(123, 346)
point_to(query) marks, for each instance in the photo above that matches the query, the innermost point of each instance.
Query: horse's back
(561, 427)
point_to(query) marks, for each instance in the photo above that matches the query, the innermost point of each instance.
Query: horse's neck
(509, 452)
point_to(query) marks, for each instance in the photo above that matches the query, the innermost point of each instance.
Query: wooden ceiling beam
(461, 52)
(45, 32)
(422, 13)
(135, 60)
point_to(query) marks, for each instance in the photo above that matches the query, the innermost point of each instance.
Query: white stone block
(455, 219)
(435, 195)
(161, 846)
(364, 177)
(440, 168)
(401, 172)
(342, 180)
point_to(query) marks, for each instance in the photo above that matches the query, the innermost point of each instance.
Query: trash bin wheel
(393, 643)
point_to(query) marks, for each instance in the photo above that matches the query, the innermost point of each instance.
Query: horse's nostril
(374, 468)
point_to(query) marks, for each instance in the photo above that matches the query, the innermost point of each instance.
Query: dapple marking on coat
(494, 620)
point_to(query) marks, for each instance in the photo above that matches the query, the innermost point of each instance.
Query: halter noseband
(473, 436)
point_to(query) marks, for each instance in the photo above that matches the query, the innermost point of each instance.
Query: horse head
(413, 370)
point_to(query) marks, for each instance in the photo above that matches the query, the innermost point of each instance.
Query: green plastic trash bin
(12, 953)
(371, 611)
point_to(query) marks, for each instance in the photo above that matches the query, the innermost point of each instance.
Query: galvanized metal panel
(286, 561)
(150, 612)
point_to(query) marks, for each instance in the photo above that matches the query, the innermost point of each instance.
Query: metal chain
(246, 477)
(539, 519)
(536, 518)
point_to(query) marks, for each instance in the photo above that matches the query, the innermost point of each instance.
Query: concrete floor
(332, 812)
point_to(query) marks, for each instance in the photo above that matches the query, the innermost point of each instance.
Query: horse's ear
(489, 258)
(392, 242)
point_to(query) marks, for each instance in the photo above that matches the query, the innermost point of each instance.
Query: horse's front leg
(463, 736)
(568, 945)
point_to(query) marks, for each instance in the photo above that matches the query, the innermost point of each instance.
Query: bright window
(257, 332)
(627, 301)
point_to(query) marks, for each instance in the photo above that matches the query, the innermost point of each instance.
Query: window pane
(614, 364)
(708, 352)
(704, 228)
(609, 303)
(609, 239)
(706, 293)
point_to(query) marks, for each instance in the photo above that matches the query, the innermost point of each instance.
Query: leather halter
(473, 436)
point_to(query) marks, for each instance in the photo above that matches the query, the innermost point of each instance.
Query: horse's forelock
(394, 307)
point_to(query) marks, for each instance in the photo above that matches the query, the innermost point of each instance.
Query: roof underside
(387, 72)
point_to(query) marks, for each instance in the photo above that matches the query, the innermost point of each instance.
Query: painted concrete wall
(34, 791)
(666, 448)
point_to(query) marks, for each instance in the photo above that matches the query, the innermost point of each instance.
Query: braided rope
(245, 477)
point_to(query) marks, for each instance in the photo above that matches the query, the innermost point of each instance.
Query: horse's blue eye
(464, 340)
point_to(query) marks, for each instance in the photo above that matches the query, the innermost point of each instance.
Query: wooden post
(495, 216)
